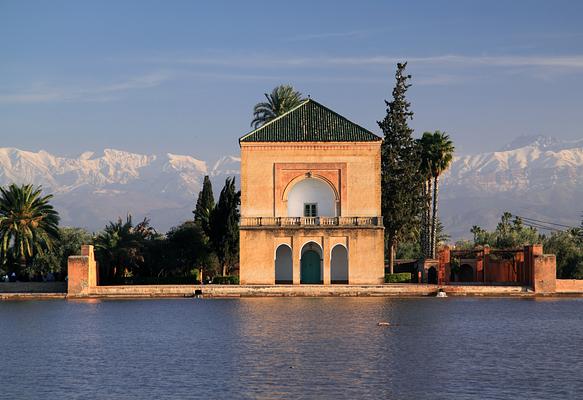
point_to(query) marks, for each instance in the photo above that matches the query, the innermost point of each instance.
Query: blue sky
(183, 76)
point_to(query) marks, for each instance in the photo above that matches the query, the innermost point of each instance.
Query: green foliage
(190, 250)
(410, 249)
(225, 226)
(56, 260)
(410, 246)
(568, 247)
(436, 156)
(120, 247)
(29, 225)
(204, 206)
(401, 178)
(509, 234)
(402, 277)
(226, 280)
(464, 245)
(282, 99)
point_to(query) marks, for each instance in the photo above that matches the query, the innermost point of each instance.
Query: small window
(310, 209)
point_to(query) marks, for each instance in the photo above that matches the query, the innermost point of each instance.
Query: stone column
(296, 260)
(326, 260)
(82, 273)
(545, 273)
(485, 260)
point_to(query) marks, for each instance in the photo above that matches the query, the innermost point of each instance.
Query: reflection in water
(292, 348)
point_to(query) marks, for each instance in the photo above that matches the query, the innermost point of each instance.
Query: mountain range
(534, 176)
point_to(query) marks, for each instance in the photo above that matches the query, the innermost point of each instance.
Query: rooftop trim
(310, 122)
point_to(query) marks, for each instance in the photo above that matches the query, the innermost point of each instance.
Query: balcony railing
(310, 221)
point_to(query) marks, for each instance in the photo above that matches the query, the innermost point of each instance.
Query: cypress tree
(401, 178)
(204, 206)
(225, 226)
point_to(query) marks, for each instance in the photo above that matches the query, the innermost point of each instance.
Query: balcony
(311, 222)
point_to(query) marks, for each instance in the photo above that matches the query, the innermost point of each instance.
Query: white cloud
(99, 93)
(329, 35)
(264, 61)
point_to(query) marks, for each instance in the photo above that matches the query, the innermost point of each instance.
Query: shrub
(226, 280)
(402, 277)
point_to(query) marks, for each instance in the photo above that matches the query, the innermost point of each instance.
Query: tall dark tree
(401, 180)
(204, 206)
(189, 247)
(225, 226)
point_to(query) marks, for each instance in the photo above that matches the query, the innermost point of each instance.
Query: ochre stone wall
(270, 170)
(267, 169)
(545, 274)
(82, 272)
(569, 286)
(364, 245)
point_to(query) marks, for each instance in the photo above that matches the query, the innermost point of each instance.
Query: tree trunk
(434, 216)
(423, 233)
(428, 230)
(224, 269)
(391, 246)
(22, 264)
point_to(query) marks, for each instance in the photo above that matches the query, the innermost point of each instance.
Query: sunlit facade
(310, 201)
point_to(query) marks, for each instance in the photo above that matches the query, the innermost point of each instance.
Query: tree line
(33, 245)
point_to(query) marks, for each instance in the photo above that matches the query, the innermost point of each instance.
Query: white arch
(283, 266)
(320, 250)
(339, 265)
(312, 190)
(338, 244)
(278, 246)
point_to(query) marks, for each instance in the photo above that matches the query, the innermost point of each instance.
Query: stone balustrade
(290, 222)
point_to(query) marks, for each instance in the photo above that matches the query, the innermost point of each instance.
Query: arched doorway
(283, 265)
(339, 265)
(432, 276)
(311, 197)
(311, 264)
(466, 273)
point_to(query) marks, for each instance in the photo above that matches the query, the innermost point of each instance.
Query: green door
(310, 272)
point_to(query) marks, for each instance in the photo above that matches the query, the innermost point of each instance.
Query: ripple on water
(292, 348)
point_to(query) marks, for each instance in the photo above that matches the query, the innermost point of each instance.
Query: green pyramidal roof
(310, 122)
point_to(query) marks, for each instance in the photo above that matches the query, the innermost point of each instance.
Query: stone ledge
(399, 290)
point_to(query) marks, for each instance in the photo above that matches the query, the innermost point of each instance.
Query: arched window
(339, 265)
(283, 265)
(311, 197)
(311, 264)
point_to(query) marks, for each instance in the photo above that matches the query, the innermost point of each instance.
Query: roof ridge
(310, 121)
(340, 116)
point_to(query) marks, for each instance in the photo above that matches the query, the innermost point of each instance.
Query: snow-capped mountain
(537, 177)
(93, 188)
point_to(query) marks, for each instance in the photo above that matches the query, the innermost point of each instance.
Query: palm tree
(29, 224)
(120, 246)
(426, 145)
(442, 150)
(282, 99)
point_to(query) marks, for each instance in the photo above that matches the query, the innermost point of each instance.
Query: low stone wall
(398, 290)
(84, 283)
(33, 287)
(569, 286)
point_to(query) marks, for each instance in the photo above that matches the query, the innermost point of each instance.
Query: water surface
(455, 348)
